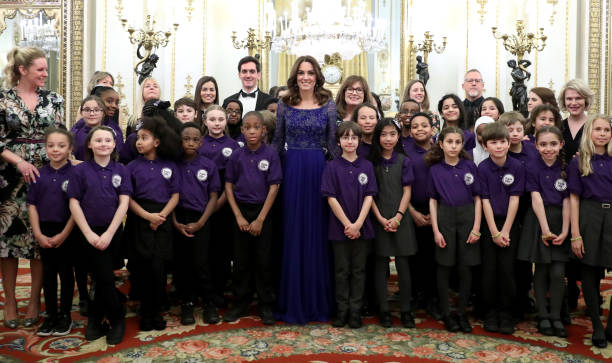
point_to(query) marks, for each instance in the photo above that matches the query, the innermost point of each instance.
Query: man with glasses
(253, 99)
(473, 86)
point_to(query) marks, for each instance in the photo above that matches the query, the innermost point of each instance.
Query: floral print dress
(22, 132)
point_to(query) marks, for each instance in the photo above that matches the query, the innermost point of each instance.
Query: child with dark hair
(546, 227)
(455, 207)
(407, 109)
(233, 107)
(253, 176)
(453, 113)
(394, 233)
(366, 116)
(185, 110)
(502, 181)
(156, 186)
(52, 227)
(492, 107)
(199, 192)
(349, 184)
(271, 104)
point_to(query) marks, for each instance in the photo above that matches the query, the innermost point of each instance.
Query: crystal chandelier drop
(328, 27)
(39, 33)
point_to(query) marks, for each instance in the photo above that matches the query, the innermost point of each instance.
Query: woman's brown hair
(425, 104)
(340, 97)
(321, 94)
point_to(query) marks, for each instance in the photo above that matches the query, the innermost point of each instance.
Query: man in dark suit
(253, 99)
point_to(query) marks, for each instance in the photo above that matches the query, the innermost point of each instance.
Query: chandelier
(39, 33)
(328, 27)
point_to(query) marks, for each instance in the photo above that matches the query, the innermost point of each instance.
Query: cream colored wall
(470, 43)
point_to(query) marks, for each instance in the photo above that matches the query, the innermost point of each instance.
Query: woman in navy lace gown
(305, 134)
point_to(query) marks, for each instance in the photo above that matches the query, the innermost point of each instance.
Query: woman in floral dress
(26, 110)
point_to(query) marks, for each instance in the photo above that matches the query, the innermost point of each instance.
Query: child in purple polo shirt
(349, 184)
(394, 233)
(525, 152)
(455, 207)
(366, 116)
(218, 147)
(590, 186)
(502, 181)
(423, 264)
(546, 227)
(99, 191)
(543, 115)
(407, 109)
(253, 177)
(92, 111)
(156, 186)
(52, 226)
(199, 191)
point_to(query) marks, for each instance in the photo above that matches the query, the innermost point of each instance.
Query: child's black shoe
(187, 317)
(46, 328)
(63, 325)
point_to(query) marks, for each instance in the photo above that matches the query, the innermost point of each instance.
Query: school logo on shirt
(560, 185)
(363, 179)
(263, 165)
(65, 186)
(508, 179)
(202, 175)
(166, 173)
(227, 152)
(240, 143)
(468, 178)
(116, 180)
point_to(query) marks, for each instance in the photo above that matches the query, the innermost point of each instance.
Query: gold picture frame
(69, 26)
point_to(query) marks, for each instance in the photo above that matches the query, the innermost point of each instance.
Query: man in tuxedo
(253, 99)
(473, 86)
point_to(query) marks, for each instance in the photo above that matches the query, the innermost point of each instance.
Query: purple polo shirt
(199, 178)
(407, 172)
(498, 184)
(421, 174)
(349, 182)
(596, 186)
(253, 172)
(547, 181)
(363, 150)
(241, 140)
(80, 131)
(97, 188)
(128, 151)
(528, 154)
(453, 185)
(218, 150)
(154, 180)
(406, 143)
(48, 194)
(469, 141)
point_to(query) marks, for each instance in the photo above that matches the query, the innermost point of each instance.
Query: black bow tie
(244, 94)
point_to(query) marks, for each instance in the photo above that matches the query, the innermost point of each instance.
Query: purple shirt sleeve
(33, 196)
(574, 180)
(75, 189)
(476, 189)
(431, 188)
(125, 188)
(230, 169)
(275, 173)
(371, 188)
(531, 179)
(482, 177)
(328, 185)
(175, 180)
(407, 172)
(214, 185)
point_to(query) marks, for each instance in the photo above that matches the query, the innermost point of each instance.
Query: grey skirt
(455, 224)
(532, 249)
(596, 232)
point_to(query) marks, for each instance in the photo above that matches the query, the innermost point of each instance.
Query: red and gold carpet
(248, 340)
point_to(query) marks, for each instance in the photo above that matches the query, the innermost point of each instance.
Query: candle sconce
(427, 46)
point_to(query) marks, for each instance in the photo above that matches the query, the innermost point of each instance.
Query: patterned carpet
(248, 340)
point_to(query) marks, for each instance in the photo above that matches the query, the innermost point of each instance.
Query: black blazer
(261, 99)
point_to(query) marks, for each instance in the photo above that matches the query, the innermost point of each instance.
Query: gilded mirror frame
(69, 17)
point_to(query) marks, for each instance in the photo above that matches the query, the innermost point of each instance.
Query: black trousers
(105, 301)
(253, 260)
(349, 270)
(191, 255)
(423, 263)
(57, 261)
(403, 273)
(498, 278)
(221, 244)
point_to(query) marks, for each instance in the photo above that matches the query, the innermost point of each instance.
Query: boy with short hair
(502, 183)
(185, 110)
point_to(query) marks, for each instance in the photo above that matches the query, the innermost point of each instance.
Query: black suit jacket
(261, 99)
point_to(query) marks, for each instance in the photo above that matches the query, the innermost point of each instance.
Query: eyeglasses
(473, 80)
(230, 110)
(92, 110)
(354, 90)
